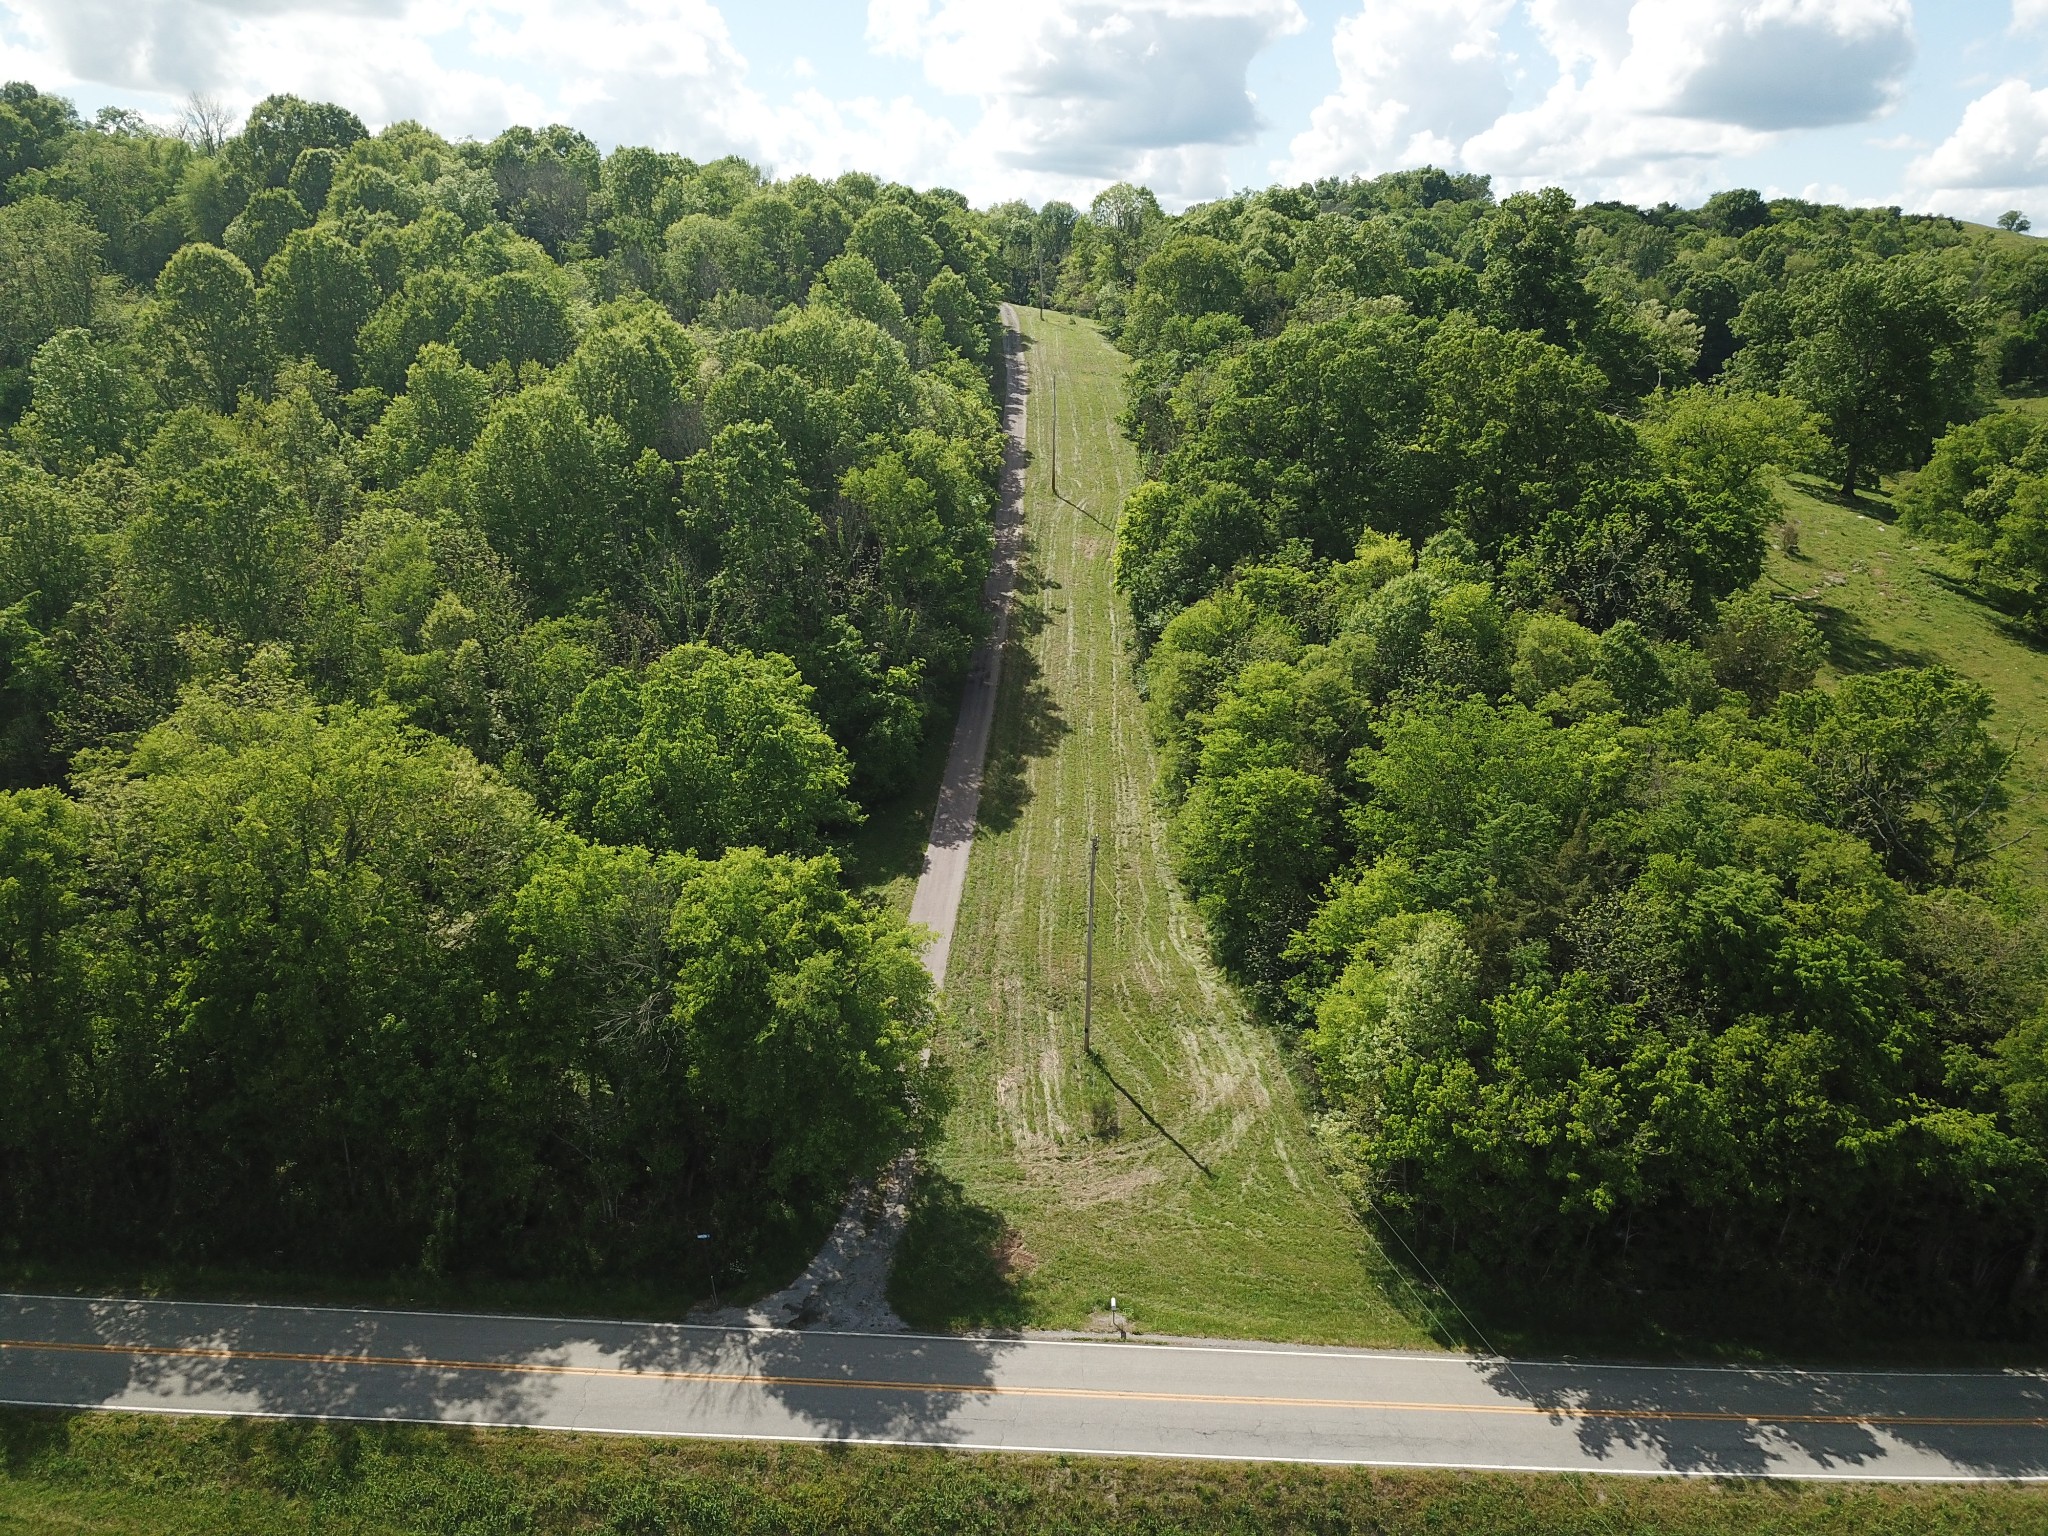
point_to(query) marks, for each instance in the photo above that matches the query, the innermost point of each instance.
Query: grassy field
(1175, 1170)
(138, 1476)
(1884, 599)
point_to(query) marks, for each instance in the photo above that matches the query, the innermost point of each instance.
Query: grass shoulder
(120, 1474)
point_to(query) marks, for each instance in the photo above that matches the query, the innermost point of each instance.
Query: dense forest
(454, 599)
(1617, 946)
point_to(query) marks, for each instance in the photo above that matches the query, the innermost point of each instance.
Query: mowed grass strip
(1175, 1170)
(132, 1475)
(1885, 599)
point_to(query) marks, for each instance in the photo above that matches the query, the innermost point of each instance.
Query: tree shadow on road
(1736, 1422)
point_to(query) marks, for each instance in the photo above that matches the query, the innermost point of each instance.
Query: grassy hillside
(1176, 1171)
(1884, 599)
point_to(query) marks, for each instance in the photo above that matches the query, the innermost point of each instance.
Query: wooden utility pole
(1088, 959)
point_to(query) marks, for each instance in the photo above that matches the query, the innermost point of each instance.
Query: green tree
(704, 751)
(638, 368)
(893, 238)
(442, 410)
(1905, 760)
(962, 324)
(319, 889)
(44, 1024)
(1886, 352)
(33, 128)
(317, 292)
(205, 327)
(49, 262)
(1551, 655)
(742, 492)
(1176, 542)
(1253, 848)
(1530, 280)
(222, 541)
(312, 177)
(426, 308)
(851, 283)
(48, 565)
(1193, 275)
(803, 1012)
(551, 491)
(514, 317)
(88, 400)
(1763, 648)
(279, 129)
(266, 221)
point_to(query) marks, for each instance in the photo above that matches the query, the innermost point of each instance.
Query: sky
(1938, 107)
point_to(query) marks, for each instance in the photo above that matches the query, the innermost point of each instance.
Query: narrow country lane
(937, 902)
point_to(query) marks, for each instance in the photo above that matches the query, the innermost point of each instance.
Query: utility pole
(1088, 959)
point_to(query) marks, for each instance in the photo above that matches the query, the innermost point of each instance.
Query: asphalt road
(1256, 1402)
(936, 903)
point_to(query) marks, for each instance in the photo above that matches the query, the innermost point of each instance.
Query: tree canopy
(454, 601)
(1618, 944)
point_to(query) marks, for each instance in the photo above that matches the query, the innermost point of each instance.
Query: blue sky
(1934, 106)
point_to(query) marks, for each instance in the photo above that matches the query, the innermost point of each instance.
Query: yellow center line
(990, 1389)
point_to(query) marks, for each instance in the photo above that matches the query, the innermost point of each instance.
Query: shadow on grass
(890, 844)
(961, 1265)
(1029, 721)
(1095, 1057)
(756, 1252)
(30, 1436)
(2008, 610)
(1853, 648)
(1875, 505)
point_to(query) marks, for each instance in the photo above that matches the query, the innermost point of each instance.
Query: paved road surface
(937, 901)
(1232, 1401)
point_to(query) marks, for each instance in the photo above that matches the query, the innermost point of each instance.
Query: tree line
(1617, 948)
(455, 602)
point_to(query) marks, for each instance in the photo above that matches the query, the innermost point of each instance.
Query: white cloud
(1077, 92)
(1782, 63)
(1417, 81)
(1647, 96)
(1998, 154)
(897, 138)
(2028, 13)
(658, 71)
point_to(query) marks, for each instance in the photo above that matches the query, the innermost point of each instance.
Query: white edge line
(1963, 1478)
(1306, 1352)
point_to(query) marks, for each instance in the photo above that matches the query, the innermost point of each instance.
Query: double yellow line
(990, 1389)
